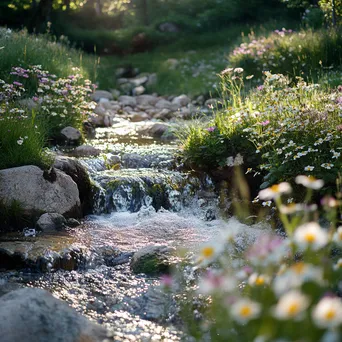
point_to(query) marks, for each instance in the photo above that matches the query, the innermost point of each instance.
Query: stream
(148, 201)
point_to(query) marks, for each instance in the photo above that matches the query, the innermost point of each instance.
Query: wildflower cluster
(34, 107)
(288, 128)
(285, 50)
(278, 288)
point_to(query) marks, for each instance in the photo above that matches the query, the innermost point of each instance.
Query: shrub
(289, 129)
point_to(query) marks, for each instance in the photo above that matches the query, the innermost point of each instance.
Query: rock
(71, 222)
(71, 134)
(138, 90)
(215, 103)
(116, 93)
(137, 117)
(74, 168)
(158, 129)
(34, 315)
(126, 88)
(161, 104)
(181, 101)
(38, 195)
(127, 101)
(146, 100)
(100, 110)
(112, 159)
(107, 121)
(164, 114)
(89, 130)
(169, 27)
(50, 222)
(101, 94)
(153, 260)
(139, 81)
(86, 151)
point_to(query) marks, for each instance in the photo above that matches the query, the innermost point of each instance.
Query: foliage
(305, 53)
(289, 129)
(275, 289)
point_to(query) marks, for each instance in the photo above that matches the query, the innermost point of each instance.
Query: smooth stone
(34, 315)
(86, 151)
(51, 222)
(71, 134)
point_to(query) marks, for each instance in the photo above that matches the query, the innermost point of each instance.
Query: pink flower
(260, 87)
(166, 281)
(265, 123)
(211, 129)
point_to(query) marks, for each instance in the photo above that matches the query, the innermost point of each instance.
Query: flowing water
(145, 202)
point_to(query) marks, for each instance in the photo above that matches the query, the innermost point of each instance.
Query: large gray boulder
(39, 192)
(34, 315)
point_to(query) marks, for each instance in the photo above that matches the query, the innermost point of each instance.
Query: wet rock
(113, 159)
(86, 151)
(71, 134)
(74, 168)
(181, 101)
(35, 194)
(51, 222)
(153, 260)
(71, 222)
(34, 315)
(127, 101)
(101, 94)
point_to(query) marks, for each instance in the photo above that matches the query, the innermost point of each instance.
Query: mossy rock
(154, 260)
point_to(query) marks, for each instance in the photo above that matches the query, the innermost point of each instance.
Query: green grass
(24, 50)
(22, 143)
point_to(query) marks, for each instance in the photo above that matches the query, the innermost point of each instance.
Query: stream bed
(147, 201)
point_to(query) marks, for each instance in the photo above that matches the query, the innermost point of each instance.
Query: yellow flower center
(310, 237)
(259, 281)
(245, 311)
(299, 268)
(293, 309)
(208, 252)
(330, 314)
(275, 188)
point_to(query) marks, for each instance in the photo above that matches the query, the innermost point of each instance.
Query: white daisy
(310, 235)
(328, 313)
